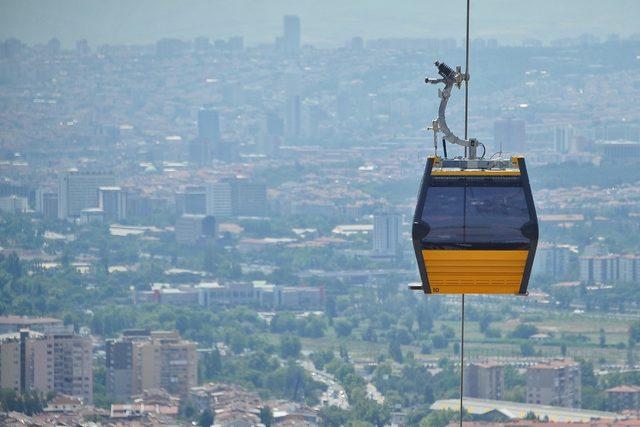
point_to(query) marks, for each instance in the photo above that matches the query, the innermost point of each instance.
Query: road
(335, 394)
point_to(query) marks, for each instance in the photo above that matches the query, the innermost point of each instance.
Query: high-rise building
(563, 139)
(47, 203)
(26, 361)
(79, 190)
(249, 198)
(599, 268)
(191, 200)
(54, 360)
(291, 35)
(219, 199)
(555, 383)
(113, 202)
(120, 364)
(208, 124)
(629, 268)
(72, 364)
(555, 260)
(142, 361)
(137, 205)
(510, 135)
(484, 381)
(271, 133)
(207, 143)
(293, 105)
(387, 232)
(192, 228)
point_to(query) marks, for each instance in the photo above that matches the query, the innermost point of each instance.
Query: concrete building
(140, 361)
(219, 199)
(207, 144)
(290, 42)
(249, 198)
(193, 228)
(629, 268)
(47, 203)
(556, 383)
(39, 324)
(623, 398)
(293, 105)
(619, 150)
(79, 190)
(387, 231)
(484, 381)
(555, 260)
(113, 202)
(72, 364)
(563, 139)
(57, 360)
(120, 363)
(599, 268)
(14, 204)
(164, 293)
(26, 362)
(191, 200)
(261, 294)
(510, 135)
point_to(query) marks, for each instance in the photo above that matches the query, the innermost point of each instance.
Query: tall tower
(79, 190)
(293, 104)
(510, 135)
(291, 35)
(206, 145)
(387, 232)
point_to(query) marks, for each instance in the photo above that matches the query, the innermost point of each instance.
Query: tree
(527, 350)
(206, 418)
(212, 364)
(603, 338)
(266, 416)
(395, 351)
(438, 418)
(290, 346)
(342, 327)
(524, 330)
(634, 331)
(334, 416)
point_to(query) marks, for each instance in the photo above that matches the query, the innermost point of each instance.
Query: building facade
(140, 361)
(79, 190)
(555, 383)
(484, 381)
(387, 232)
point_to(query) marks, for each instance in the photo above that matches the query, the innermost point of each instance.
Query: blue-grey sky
(324, 22)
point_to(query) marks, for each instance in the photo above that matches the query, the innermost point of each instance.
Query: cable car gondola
(475, 231)
(475, 228)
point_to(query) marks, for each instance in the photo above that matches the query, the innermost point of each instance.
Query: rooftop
(520, 410)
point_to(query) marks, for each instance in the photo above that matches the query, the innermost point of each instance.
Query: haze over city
(257, 213)
(327, 23)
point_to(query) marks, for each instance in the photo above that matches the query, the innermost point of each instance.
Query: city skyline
(119, 22)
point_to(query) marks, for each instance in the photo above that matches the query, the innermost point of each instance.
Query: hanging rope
(466, 129)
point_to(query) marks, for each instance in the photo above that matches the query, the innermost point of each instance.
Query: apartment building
(57, 360)
(484, 381)
(623, 398)
(142, 360)
(556, 383)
